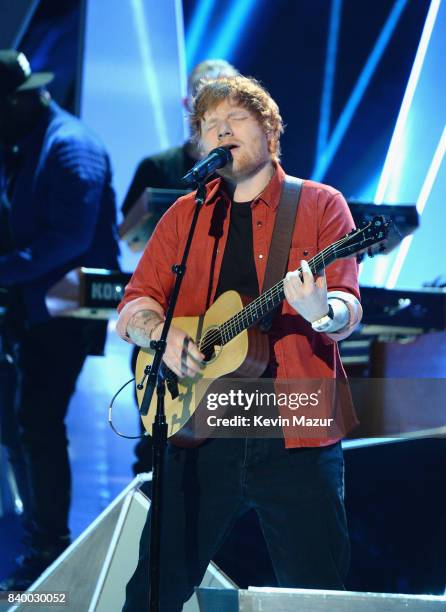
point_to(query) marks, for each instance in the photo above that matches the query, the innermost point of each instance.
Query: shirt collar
(213, 189)
(270, 195)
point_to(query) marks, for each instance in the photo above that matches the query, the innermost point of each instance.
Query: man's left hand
(308, 296)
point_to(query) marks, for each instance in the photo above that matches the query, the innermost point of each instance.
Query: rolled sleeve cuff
(355, 314)
(131, 308)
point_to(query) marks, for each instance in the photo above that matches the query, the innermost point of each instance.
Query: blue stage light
(406, 175)
(355, 98)
(394, 153)
(149, 72)
(421, 203)
(196, 32)
(231, 30)
(329, 77)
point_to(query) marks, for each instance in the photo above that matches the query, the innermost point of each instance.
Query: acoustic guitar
(232, 343)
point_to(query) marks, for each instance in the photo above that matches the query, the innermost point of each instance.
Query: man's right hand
(182, 355)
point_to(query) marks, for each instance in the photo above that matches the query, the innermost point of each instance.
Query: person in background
(59, 213)
(165, 170)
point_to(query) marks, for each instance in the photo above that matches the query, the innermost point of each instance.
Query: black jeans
(297, 494)
(48, 359)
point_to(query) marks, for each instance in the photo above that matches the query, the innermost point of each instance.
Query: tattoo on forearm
(141, 325)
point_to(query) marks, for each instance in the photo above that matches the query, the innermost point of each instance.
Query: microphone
(217, 158)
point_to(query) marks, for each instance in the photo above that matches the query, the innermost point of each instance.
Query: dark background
(283, 44)
(395, 493)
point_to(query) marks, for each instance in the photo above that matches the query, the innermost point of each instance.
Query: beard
(243, 165)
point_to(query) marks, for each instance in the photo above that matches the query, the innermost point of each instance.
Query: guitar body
(245, 356)
(235, 347)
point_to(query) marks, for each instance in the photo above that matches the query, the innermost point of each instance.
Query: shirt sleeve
(335, 220)
(153, 280)
(75, 175)
(354, 308)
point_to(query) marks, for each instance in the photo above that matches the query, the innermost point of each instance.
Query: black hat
(16, 75)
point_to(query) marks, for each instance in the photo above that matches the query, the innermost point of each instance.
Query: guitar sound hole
(211, 339)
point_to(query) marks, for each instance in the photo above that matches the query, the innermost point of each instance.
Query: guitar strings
(247, 316)
(276, 291)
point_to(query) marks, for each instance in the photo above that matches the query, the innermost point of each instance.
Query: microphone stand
(156, 378)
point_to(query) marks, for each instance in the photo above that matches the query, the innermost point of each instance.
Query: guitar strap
(281, 240)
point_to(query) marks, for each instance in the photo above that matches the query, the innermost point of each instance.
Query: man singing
(296, 489)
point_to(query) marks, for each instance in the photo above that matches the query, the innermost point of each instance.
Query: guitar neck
(270, 299)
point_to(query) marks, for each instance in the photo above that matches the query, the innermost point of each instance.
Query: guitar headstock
(369, 239)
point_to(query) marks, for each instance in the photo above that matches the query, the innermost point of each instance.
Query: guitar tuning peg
(370, 253)
(360, 257)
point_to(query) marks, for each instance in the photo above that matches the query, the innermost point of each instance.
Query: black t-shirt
(238, 270)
